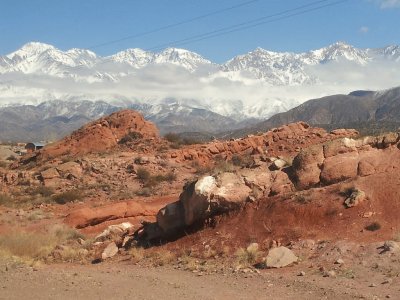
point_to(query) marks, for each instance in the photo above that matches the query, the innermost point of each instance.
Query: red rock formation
(285, 140)
(102, 134)
(86, 216)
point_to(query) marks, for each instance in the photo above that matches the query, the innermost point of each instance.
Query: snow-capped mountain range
(174, 81)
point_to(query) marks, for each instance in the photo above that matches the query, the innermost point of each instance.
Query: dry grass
(209, 252)
(68, 196)
(247, 256)
(72, 254)
(5, 200)
(29, 247)
(189, 263)
(36, 215)
(162, 257)
(137, 253)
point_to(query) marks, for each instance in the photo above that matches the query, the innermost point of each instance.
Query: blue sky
(82, 24)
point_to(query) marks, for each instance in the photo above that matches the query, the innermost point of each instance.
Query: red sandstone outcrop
(102, 134)
(85, 217)
(319, 165)
(344, 159)
(288, 139)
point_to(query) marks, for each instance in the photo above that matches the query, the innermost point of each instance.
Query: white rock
(280, 257)
(109, 251)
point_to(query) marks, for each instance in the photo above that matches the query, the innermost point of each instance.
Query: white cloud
(155, 83)
(364, 29)
(388, 3)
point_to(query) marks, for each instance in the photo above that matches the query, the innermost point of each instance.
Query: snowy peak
(136, 57)
(29, 50)
(340, 50)
(139, 58)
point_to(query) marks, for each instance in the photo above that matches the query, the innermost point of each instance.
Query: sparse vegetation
(301, 199)
(5, 200)
(346, 189)
(67, 196)
(242, 160)
(162, 257)
(30, 247)
(27, 245)
(150, 181)
(137, 254)
(131, 137)
(143, 174)
(172, 137)
(223, 166)
(201, 169)
(247, 256)
(176, 141)
(11, 158)
(42, 190)
(144, 192)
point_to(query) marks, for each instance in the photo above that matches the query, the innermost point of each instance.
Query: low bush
(11, 158)
(149, 180)
(5, 200)
(247, 256)
(172, 137)
(42, 190)
(131, 137)
(143, 174)
(162, 257)
(66, 197)
(242, 160)
(176, 141)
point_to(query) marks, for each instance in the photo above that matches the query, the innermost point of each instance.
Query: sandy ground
(127, 281)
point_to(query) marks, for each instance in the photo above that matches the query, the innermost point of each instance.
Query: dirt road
(127, 281)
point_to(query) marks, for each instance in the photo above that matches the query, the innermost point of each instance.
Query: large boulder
(281, 183)
(171, 217)
(340, 167)
(306, 167)
(339, 146)
(258, 180)
(280, 257)
(213, 194)
(70, 170)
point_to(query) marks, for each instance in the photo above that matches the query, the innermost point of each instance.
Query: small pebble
(302, 273)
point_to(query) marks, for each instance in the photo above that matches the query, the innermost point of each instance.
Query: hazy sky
(85, 23)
